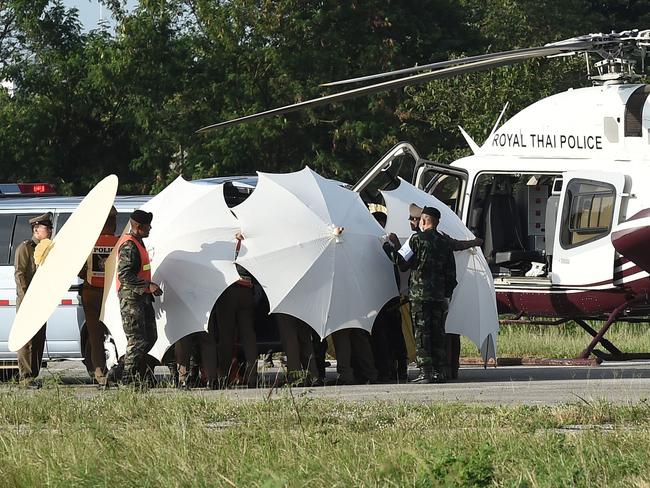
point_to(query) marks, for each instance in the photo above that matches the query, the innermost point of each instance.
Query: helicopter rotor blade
(431, 66)
(470, 67)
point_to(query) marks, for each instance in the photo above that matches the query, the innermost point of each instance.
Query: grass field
(561, 341)
(125, 438)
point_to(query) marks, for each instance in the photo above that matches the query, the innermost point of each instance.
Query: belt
(245, 281)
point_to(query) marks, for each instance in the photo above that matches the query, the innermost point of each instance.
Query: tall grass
(124, 438)
(561, 341)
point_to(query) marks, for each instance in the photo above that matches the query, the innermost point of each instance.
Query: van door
(447, 183)
(590, 205)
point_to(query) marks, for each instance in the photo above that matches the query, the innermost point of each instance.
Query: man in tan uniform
(92, 293)
(31, 354)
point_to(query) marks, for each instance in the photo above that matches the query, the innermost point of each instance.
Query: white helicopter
(559, 192)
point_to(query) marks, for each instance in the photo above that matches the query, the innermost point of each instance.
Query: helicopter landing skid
(615, 354)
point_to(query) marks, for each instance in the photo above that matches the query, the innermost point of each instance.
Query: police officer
(92, 293)
(193, 351)
(297, 344)
(355, 363)
(136, 291)
(235, 315)
(31, 354)
(433, 279)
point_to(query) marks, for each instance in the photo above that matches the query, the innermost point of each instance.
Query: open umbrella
(473, 310)
(316, 251)
(192, 249)
(68, 251)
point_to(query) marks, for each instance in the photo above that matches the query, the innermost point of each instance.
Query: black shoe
(423, 379)
(185, 385)
(438, 378)
(215, 384)
(31, 384)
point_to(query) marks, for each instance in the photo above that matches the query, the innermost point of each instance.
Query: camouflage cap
(45, 219)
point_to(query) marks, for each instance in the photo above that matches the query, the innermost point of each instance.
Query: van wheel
(8, 374)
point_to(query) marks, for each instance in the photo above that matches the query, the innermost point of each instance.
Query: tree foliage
(129, 101)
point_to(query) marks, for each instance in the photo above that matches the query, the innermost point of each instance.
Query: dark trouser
(139, 324)
(91, 299)
(388, 343)
(235, 314)
(453, 355)
(354, 360)
(430, 341)
(207, 347)
(296, 342)
(30, 356)
(320, 351)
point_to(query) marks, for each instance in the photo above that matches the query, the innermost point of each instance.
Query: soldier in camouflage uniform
(136, 292)
(453, 340)
(432, 281)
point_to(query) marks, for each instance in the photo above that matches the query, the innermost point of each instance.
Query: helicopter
(558, 192)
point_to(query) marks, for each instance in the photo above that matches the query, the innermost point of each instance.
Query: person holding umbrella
(452, 340)
(235, 315)
(136, 291)
(430, 258)
(31, 354)
(92, 292)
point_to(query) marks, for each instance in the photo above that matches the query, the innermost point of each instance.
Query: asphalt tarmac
(619, 383)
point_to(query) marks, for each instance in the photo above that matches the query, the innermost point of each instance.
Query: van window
(61, 219)
(22, 232)
(6, 230)
(587, 213)
(122, 220)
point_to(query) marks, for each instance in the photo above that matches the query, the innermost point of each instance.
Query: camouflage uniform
(138, 317)
(432, 281)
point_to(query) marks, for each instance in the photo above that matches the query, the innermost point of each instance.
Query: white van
(66, 333)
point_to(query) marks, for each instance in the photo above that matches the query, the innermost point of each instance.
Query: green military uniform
(433, 279)
(136, 306)
(30, 355)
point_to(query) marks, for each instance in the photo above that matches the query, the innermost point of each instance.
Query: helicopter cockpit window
(588, 212)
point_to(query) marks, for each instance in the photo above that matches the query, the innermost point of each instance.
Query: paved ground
(614, 382)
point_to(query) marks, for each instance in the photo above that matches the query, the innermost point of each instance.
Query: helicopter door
(589, 206)
(447, 183)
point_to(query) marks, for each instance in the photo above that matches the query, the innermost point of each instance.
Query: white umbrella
(473, 309)
(69, 249)
(292, 248)
(192, 250)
